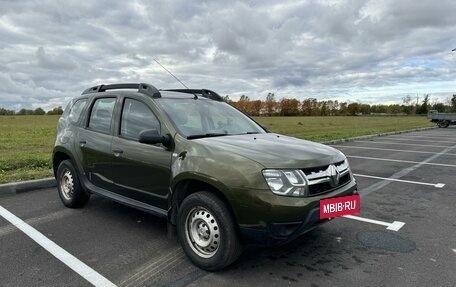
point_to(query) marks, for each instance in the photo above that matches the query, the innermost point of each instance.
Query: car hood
(275, 151)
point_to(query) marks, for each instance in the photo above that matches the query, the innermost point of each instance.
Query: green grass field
(330, 128)
(26, 141)
(25, 147)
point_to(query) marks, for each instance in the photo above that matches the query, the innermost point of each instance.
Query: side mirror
(153, 137)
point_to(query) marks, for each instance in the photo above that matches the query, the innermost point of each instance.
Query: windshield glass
(205, 118)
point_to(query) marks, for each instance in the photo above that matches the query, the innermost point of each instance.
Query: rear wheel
(70, 190)
(207, 231)
(443, 124)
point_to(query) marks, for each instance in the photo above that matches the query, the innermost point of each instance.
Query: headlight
(288, 182)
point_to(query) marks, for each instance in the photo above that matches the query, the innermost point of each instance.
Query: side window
(100, 117)
(76, 110)
(136, 117)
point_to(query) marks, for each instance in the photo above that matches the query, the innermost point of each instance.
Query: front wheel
(207, 231)
(443, 124)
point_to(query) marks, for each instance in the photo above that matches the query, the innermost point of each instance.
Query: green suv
(216, 175)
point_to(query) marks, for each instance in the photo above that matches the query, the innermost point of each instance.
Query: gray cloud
(375, 51)
(54, 62)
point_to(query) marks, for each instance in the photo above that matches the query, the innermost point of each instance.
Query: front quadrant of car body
(238, 165)
(204, 166)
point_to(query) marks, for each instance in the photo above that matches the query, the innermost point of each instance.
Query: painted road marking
(389, 149)
(395, 225)
(437, 138)
(379, 185)
(78, 266)
(414, 140)
(404, 161)
(454, 250)
(377, 142)
(437, 185)
(436, 135)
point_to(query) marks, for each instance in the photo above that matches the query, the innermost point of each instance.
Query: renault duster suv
(187, 156)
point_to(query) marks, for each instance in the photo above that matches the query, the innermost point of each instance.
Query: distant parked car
(191, 158)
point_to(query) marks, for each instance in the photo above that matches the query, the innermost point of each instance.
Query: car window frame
(82, 113)
(89, 113)
(119, 121)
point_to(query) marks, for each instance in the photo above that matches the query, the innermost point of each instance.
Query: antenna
(170, 73)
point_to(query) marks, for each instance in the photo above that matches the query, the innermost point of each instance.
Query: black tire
(70, 190)
(214, 221)
(443, 124)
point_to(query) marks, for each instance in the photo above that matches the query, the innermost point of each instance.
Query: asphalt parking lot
(405, 234)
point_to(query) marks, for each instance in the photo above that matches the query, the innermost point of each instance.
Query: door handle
(117, 152)
(82, 143)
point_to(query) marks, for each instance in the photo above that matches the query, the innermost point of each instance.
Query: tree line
(307, 107)
(313, 107)
(37, 111)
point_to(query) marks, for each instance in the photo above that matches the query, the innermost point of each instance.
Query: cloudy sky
(369, 51)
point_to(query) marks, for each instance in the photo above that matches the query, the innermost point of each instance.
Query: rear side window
(76, 110)
(101, 115)
(137, 117)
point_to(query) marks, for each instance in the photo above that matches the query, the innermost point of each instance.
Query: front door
(140, 171)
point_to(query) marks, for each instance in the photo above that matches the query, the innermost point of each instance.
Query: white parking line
(420, 140)
(404, 161)
(379, 185)
(78, 266)
(438, 135)
(437, 185)
(395, 225)
(377, 142)
(389, 149)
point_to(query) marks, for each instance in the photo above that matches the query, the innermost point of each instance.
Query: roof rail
(203, 92)
(142, 88)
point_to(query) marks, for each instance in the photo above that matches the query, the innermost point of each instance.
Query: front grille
(327, 178)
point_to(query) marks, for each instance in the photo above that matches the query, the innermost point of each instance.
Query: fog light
(284, 229)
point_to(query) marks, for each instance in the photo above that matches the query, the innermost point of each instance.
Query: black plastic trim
(203, 92)
(142, 88)
(124, 200)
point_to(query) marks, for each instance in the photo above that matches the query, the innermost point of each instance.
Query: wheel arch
(186, 186)
(58, 156)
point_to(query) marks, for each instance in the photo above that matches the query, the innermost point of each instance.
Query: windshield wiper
(248, 133)
(208, 135)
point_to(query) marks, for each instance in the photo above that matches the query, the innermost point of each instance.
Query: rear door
(94, 143)
(140, 171)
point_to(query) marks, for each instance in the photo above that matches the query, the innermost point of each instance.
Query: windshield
(206, 118)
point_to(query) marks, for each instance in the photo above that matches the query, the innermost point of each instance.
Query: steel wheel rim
(67, 184)
(202, 232)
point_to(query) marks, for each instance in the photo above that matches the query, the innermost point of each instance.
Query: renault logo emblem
(334, 175)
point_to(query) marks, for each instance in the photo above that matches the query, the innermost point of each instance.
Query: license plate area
(338, 206)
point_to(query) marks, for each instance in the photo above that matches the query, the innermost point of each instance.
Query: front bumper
(273, 219)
